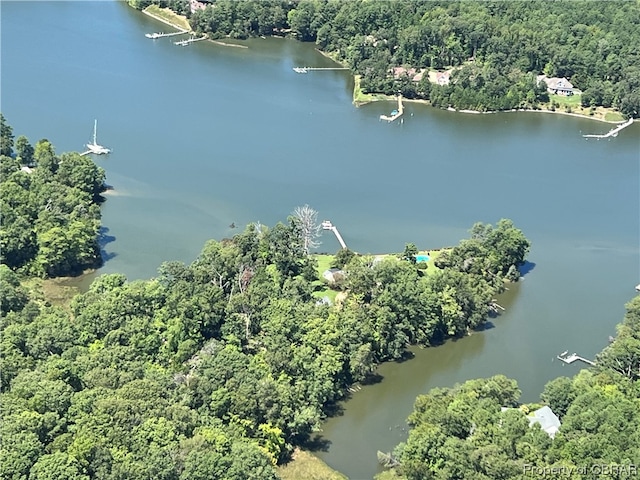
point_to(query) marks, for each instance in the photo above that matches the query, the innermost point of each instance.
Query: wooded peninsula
(223, 368)
(217, 369)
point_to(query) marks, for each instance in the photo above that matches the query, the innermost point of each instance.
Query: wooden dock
(315, 69)
(327, 225)
(613, 132)
(184, 43)
(574, 357)
(396, 113)
(153, 36)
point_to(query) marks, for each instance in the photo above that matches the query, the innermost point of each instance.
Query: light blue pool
(422, 258)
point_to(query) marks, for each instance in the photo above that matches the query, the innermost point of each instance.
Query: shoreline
(571, 114)
(388, 98)
(181, 29)
(376, 96)
(166, 22)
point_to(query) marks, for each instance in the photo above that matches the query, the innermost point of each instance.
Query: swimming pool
(422, 258)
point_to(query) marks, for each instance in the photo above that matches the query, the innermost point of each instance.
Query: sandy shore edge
(165, 21)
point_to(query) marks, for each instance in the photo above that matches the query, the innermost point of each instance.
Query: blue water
(422, 258)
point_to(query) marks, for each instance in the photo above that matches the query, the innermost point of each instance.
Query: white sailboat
(94, 147)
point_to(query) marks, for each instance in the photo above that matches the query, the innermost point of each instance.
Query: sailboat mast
(95, 131)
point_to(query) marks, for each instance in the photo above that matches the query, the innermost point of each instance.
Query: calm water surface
(206, 135)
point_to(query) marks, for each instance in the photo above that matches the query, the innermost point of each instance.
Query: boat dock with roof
(396, 113)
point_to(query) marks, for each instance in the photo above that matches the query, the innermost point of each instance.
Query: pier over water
(153, 36)
(327, 225)
(613, 132)
(574, 357)
(396, 113)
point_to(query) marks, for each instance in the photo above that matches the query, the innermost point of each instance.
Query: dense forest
(499, 47)
(217, 369)
(50, 207)
(465, 432)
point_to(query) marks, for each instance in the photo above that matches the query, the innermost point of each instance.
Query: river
(207, 136)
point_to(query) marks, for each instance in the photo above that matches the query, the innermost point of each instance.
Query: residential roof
(555, 83)
(412, 73)
(548, 420)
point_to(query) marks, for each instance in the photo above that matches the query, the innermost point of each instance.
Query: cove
(206, 136)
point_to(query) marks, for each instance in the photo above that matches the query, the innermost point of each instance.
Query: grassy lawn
(613, 117)
(433, 254)
(573, 102)
(169, 16)
(326, 292)
(360, 98)
(324, 262)
(306, 466)
(51, 291)
(431, 268)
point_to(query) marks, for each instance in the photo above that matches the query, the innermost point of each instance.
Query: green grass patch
(326, 292)
(389, 475)
(613, 117)
(572, 101)
(168, 16)
(50, 291)
(360, 98)
(324, 262)
(433, 254)
(307, 466)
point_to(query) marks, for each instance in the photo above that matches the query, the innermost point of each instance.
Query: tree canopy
(468, 431)
(496, 48)
(50, 209)
(216, 369)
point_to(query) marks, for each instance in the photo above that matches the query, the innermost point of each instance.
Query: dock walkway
(313, 69)
(574, 357)
(613, 132)
(327, 225)
(153, 36)
(184, 43)
(396, 114)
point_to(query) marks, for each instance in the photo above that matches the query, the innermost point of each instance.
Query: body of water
(207, 136)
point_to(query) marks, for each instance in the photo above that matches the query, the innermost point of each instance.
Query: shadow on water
(316, 444)
(372, 379)
(103, 240)
(488, 325)
(526, 268)
(336, 408)
(406, 355)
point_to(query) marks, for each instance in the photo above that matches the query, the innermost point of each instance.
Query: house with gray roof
(333, 275)
(548, 420)
(544, 416)
(558, 86)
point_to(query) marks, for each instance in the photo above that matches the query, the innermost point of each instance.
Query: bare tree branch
(309, 227)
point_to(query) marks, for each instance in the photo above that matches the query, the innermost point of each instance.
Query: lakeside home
(557, 86)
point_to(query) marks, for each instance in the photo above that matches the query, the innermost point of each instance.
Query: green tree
(13, 296)
(24, 151)
(410, 252)
(6, 137)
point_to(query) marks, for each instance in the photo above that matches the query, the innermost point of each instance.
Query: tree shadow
(526, 267)
(316, 443)
(488, 325)
(406, 355)
(103, 240)
(372, 379)
(335, 408)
